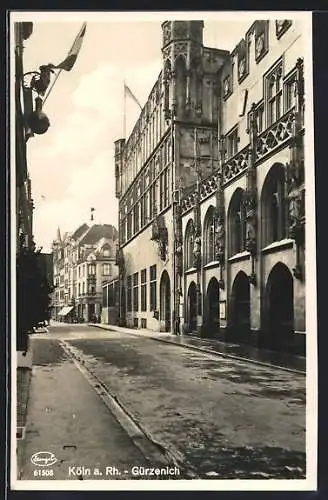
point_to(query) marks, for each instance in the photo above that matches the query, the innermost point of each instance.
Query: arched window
(209, 236)
(237, 223)
(189, 245)
(273, 206)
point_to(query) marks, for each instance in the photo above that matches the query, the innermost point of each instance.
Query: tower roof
(58, 236)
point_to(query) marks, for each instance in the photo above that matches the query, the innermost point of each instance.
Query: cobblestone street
(220, 418)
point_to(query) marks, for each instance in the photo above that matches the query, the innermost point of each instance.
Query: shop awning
(65, 310)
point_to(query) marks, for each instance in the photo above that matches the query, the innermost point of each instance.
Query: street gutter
(153, 451)
(200, 349)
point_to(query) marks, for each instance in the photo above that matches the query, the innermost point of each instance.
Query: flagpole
(124, 111)
(52, 85)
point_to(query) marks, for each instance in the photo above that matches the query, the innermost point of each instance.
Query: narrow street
(68, 419)
(212, 417)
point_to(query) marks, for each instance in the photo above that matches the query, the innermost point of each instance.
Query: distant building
(211, 190)
(83, 261)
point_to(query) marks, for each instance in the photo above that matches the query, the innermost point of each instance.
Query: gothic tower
(182, 52)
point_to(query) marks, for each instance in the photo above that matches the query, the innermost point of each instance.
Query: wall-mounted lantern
(160, 235)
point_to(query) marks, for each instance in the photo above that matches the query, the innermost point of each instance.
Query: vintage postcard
(163, 249)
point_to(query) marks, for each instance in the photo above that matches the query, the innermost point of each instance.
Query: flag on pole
(128, 91)
(68, 63)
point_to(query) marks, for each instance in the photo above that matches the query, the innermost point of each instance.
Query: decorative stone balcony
(275, 136)
(235, 165)
(267, 142)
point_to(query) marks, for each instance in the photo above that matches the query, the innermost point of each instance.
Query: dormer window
(106, 252)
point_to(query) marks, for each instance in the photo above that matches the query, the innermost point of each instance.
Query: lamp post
(37, 82)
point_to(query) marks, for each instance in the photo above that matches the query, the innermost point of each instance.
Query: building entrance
(192, 308)
(212, 321)
(279, 306)
(165, 303)
(240, 308)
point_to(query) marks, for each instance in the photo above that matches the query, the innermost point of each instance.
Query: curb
(208, 351)
(152, 450)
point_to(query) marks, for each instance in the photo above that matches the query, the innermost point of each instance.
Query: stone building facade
(212, 194)
(83, 261)
(251, 274)
(155, 162)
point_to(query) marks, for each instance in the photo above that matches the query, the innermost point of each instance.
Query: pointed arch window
(189, 245)
(237, 223)
(209, 236)
(273, 201)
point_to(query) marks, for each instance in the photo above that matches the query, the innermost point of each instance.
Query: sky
(72, 165)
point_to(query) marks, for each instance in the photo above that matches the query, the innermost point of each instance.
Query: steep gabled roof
(98, 231)
(79, 231)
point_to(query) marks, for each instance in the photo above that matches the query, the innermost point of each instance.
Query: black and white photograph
(163, 253)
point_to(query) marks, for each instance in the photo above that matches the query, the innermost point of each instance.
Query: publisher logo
(43, 459)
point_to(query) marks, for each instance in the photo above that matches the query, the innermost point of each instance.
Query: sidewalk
(70, 422)
(240, 352)
(23, 377)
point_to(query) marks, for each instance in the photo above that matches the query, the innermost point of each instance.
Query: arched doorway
(240, 308)
(165, 302)
(122, 318)
(192, 307)
(212, 320)
(279, 306)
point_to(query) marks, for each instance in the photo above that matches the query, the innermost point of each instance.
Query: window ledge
(278, 245)
(213, 263)
(190, 270)
(239, 256)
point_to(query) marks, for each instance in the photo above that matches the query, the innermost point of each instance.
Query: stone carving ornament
(281, 26)
(181, 49)
(167, 33)
(226, 86)
(241, 68)
(197, 251)
(259, 45)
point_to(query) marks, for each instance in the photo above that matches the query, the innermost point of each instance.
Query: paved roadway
(220, 418)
